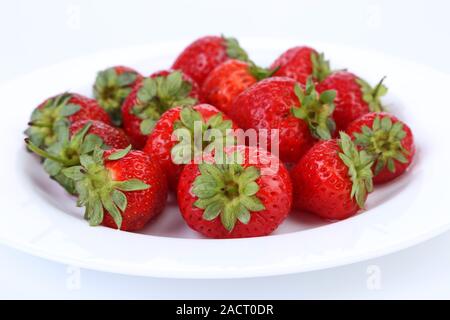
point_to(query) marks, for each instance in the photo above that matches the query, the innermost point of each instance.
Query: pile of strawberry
(121, 155)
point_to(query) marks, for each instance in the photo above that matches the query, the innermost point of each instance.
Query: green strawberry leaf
(372, 96)
(359, 165)
(119, 154)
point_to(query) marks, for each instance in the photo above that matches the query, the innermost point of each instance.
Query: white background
(34, 34)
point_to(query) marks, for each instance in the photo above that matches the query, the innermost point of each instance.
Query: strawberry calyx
(227, 191)
(66, 151)
(97, 189)
(234, 50)
(41, 130)
(316, 110)
(197, 136)
(359, 164)
(111, 89)
(384, 143)
(372, 96)
(321, 66)
(159, 94)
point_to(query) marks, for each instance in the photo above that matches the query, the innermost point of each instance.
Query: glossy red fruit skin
(160, 142)
(131, 123)
(295, 63)
(142, 205)
(226, 82)
(89, 109)
(111, 136)
(321, 183)
(349, 101)
(275, 193)
(201, 57)
(267, 105)
(408, 143)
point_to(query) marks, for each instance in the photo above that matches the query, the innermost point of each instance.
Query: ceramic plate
(36, 215)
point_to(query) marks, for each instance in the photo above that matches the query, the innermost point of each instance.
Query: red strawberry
(71, 143)
(237, 199)
(228, 80)
(299, 63)
(279, 103)
(333, 179)
(65, 107)
(163, 146)
(111, 88)
(388, 140)
(152, 97)
(111, 136)
(204, 54)
(354, 98)
(119, 189)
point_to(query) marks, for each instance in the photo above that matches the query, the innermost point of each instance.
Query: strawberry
(150, 99)
(228, 80)
(299, 63)
(166, 146)
(65, 107)
(388, 140)
(71, 143)
(248, 196)
(354, 97)
(333, 179)
(204, 54)
(119, 188)
(112, 86)
(301, 116)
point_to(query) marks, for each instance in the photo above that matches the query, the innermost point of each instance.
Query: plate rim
(236, 274)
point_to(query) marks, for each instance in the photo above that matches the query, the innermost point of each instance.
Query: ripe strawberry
(228, 80)
(152, 97)
(247, 197)
(119, 189)
(65, 107)
(71, 143)
(354, 97)
(112, 137)
(279, 103)
(299, 63)
(111, 88)
(204, 54)
(388, 140)
(173, 149)
(333, 179)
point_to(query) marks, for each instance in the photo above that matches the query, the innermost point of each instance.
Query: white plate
(36, 216)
